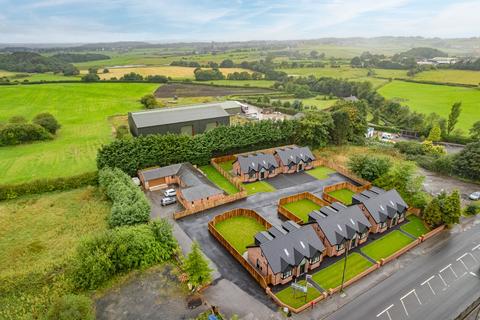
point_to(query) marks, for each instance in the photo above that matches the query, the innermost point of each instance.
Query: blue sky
(74, 21)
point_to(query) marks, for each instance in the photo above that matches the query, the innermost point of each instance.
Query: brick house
(194, 188)
(339, 226)
(294, 159)
(255, 167)
(384, 209)
(283, 253)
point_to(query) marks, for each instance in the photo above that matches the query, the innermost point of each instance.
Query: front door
(303, 267)
(262, 175)
(395, 221)
(300, 166)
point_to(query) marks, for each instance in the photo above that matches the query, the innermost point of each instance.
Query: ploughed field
(197, 90)
(82, 109)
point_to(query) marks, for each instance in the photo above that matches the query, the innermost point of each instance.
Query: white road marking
(386, 310)
(428, 281)
(445, 268)
(463, 262)
(403, 303)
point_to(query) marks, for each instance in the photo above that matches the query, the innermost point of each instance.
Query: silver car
(474, 196)
(170, 193)
(168, 200)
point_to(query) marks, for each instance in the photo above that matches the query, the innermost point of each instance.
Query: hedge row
(12, 191)
(130, 206)
(120, 250)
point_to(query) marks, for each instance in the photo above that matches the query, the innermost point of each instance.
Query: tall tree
(433, 214)
(196, 267)
(453, 116)
(475, 130)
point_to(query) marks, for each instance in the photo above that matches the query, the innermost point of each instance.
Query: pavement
(437, 284)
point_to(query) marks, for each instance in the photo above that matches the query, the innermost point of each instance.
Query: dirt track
(196, 90)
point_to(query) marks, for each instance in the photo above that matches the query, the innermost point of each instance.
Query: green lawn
(386, 245)
(302, 208)
(239, 231)
(451, 76)
(38, 236)
(331, 276)
(344, 195)
(227, 165)
(241, 83)
(317, 102)
(297, 299)
(320, 172)
(218, 179)
(415, 226)
(82, 109)
(428, 98)
(258, 186)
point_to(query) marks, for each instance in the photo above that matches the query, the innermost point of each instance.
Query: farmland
(197, 90)
(427, 98)
(82, 110)
(168, 71)
(450, 76)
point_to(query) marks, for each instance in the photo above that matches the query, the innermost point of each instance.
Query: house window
(251, 174)
(287, 274)
(364, 235)
(340, 246)
(258, 264)
(315, 259)
(383, 225)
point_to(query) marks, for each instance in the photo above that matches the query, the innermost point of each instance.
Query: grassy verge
(415, 226)
(239, 231)
(302, 208)
(215, 176)
(320, 173)
(331, 276)
(386, 245)
(227, 165)
(344, 195)
(38, 235)
(258, 186)
(297, 299)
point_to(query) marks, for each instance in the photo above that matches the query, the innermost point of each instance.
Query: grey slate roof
(164, 116)
(294, 155)
(340, 223)
(195, 185)
(256, 162)
(289, 247)
(381, 204)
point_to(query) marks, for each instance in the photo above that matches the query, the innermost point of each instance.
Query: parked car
(474, 196)
(168, 200)
(170, 193)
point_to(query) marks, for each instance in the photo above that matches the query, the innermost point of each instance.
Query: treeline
(368, 60)
(35, 63)
(79, 57)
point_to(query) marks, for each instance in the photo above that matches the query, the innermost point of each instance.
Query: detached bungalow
(384, 209)
(284, 253)
(194, 188)
(255, 167)
(339, 226)
(294, 159)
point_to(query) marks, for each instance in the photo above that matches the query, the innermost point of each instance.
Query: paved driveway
(283, 181)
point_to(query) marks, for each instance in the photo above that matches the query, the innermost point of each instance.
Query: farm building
(339, 226)
(254, 167)
(188, 120)
(284, 253)
(194, 188)
(294, 159)
(384, 209)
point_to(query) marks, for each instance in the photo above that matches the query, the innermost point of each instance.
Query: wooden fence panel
(294, 198)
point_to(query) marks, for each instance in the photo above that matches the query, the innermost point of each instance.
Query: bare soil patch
(195, 90)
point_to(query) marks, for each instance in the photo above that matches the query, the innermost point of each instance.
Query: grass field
(331, 276)
(318, 102)
(386, 245)
(344, 195)
(82, 110)
(428, 98)
(320, 173)
(169, 71)
(415, 226)
(296, 299)
(241, 83)
(48, 76)
(258, 186)
(451, 76)
(218, 179)
(227, 165)
(302, 208)
(38, 234)
(239, 231)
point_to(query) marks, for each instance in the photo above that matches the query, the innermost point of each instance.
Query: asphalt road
(438, 285)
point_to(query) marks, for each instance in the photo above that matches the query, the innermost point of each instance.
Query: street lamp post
(344, 266)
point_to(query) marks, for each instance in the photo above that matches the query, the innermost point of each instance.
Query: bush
(132, 76)
(47, 121)
(157, 79)
(12, 191)
(120, 250)
(472, 209)
(467, 163)
(121, 131)
(410, 147)
(369, 167)
(130, 206)
(71, 307)
(91, 77)
(18, 133)
(149, 101)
